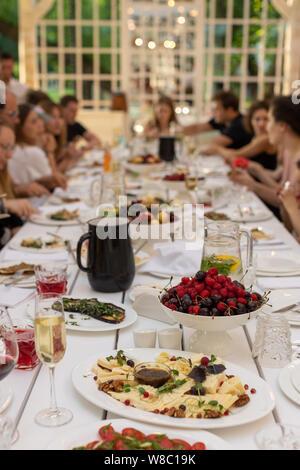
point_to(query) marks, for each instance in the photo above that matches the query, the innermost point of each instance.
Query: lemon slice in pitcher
(235, 262)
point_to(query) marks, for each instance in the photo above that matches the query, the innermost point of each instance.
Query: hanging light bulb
(171, 3)
(181, 20)
(138, 42)
(151, 45)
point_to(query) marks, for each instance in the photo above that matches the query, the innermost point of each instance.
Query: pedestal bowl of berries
(211, 304)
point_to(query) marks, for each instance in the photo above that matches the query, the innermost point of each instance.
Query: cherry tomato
(181, 445)
(131, 432)
(120, 445)
(107, 433)
(166, 443)
(92, 445)
(198, 446)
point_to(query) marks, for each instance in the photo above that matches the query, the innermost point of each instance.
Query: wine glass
(50, 344)
(9, 353)
(191, 181)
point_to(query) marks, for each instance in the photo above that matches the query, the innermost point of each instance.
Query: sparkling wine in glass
(50, 344)
(9, 354)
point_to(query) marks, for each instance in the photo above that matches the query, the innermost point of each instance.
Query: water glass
(51, 277)
(24, 331)
(279, 437)
(272, 344)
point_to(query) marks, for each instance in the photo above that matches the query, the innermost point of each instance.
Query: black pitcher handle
(82, 239)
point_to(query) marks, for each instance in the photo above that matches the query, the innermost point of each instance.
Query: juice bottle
(107, 160)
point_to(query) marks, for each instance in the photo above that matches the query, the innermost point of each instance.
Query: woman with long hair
(164, 117)
(29, 162)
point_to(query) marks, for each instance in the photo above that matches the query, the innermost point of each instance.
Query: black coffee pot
(110, 258)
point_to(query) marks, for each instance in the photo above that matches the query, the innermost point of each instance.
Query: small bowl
(157, 381)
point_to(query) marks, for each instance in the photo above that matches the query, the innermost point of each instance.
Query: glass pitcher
(222, 249)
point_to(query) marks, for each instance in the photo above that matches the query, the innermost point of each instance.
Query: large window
(186, 49)
(79, 50)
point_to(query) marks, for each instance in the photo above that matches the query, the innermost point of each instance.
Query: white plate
(295, 376)
(16, 244)
(44, 219)
(278, 262)
(260, 405)
(80, 436)
(88, 324)
(28, 282)
(258, 216)
(286, 383)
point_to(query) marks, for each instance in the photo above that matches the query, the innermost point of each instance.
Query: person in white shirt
(6, 75)
(29, 162)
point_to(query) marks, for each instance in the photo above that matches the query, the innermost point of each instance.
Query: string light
(181, 20)
(151, 45)
(138, 42)
(171, 3)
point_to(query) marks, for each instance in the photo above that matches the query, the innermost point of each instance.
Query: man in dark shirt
(76, 130)
(227, 119)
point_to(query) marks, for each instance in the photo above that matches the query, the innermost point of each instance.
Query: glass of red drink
(28, 358)
(51, 278)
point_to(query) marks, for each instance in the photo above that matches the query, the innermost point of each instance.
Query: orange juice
(107, 160)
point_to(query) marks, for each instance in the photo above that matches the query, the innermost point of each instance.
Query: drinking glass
(50, 344)
(272, 343)
(51, 277)
(28, 358)
(279, 437)
(9, 353)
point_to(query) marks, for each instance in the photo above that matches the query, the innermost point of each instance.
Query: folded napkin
(278, 283)
(11, 296)
(14, 255)
(177, 258)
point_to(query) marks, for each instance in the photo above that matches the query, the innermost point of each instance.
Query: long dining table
(31, 389)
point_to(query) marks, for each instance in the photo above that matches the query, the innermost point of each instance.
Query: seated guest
(29, 162)
(7, 144)
(17, 208)
(34, 97)
(259, 149)
(227, 119)
(6, 75)
(164, 118)
(65, 156)
(284, 132)
(9, 111)
(75, 130)
(289, 199)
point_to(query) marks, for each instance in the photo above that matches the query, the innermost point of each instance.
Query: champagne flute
(50, 344)
(191, 182)
(9, 353)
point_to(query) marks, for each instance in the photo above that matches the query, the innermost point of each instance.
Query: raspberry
(173, 307)
(221, 307)
(196, 310)
(230, 294)
(214, 292)
(180, 292)
(185, 280)
(205, 293)
(200, 287)
(253, 391)
(191, 310)
(221, 279)
(241, 293)
(224, 292)
(146, 395)
(127, 402)
(217, 286)
(254, 297)
(241, 300)
(213, 272)
(205, 361)
(226, 413)
(209, 282)
(232, 304)
(246, 387)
